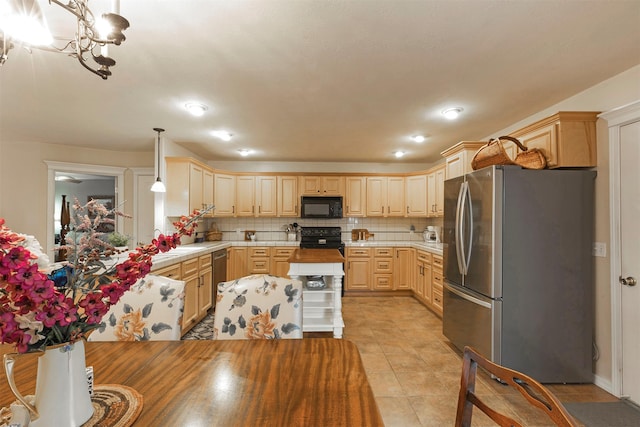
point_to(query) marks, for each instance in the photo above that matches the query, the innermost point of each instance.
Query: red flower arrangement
(36, 311)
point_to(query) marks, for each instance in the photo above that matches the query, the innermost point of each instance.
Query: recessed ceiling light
(418, 138)
(195, 108)
(222, 134)
(398, 154)
(452, 113)
(244, 152)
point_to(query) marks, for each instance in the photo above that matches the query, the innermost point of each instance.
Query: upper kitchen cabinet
(385, 196)
(416, 189)
(435, 192)
(266, 192)
(245, 196)
(567, 139)
(322, 185)
(224, 194)
(458, 158)
(287, 196)
(189, 186)
(356, 196)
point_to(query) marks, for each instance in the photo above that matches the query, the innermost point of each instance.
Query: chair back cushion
(150, 311)
(258, 307)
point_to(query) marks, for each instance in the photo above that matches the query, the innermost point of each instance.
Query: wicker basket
(494, 154)
(213, 235)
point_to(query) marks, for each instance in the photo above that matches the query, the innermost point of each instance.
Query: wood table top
(315, 256)
(306, 382)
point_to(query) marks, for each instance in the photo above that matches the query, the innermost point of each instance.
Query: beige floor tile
(397, 412)
(375, 362)
(385, 384)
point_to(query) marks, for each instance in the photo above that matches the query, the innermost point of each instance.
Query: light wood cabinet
(435, 192)
(356, 196)
(423, 276)
(358, 269)
(385, 196)
(189, 186)
(237, 262)
(402, 269)
(245, 196)
(383, 269)
(321, 185)
(280, 261)
(458, 158)
(224, 195)
(173, 271)
(198, 298)
(266, 200)
(416, 195)
(436, 283)
(259, 262)
(567, 139)
(287, 196)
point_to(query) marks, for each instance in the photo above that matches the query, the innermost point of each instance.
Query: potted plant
(118, 240)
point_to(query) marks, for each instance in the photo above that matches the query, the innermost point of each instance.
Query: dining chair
(258, 307)
(151, 310)
(533, 392)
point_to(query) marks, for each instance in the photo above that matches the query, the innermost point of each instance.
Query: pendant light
(158, 186)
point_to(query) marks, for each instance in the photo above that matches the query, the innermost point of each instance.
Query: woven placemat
(114, 405)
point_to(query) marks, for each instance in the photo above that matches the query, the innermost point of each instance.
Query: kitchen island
(322, 305)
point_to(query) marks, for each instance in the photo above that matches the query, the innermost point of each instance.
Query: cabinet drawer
(437, 261)
(383, 252)
(172, 272)
(384, 265)
(437, 299)
(190, 267)
(423, 256)
(258, 252)
(282, 252)
(204, 261)
(383, 282)
(359, 252)
(437, 276)
(259, 266)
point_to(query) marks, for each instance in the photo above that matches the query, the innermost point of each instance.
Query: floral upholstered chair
(150, 311)
(258, 307)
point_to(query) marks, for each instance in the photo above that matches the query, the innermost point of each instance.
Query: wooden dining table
(306, 382)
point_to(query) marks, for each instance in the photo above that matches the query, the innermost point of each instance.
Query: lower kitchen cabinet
(198, 299)
(436, 282)
(383, 269)
(259, 262)
(237, 262)
(358, 269)
(423, 277)
(280, 261)
(403, 268)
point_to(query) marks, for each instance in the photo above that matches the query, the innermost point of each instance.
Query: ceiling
(337, 81)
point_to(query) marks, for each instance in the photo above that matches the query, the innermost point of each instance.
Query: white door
(630, 258)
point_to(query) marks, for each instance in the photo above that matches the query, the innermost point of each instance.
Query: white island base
(322, 308)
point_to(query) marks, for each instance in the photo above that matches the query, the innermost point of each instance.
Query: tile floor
(415, 374)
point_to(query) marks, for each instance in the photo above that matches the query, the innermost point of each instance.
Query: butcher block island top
(315, 256)
(322, 307)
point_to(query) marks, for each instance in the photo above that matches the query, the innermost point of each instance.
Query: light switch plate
(599, 249)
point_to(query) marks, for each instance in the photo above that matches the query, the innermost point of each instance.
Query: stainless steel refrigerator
(518, 269)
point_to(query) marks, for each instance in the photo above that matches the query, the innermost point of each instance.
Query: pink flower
(113, 292)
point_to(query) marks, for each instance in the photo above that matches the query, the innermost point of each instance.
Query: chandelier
(22, 23)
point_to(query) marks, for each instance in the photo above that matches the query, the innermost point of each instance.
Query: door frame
(616, 119)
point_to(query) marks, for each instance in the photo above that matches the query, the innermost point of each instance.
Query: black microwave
(321, 207)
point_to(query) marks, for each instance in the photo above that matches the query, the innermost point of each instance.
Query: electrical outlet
(599, 249)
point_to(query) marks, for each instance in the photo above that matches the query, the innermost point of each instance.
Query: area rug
(605, 414)
(202, 331)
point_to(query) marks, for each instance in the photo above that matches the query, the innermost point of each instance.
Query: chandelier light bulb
(418, 138)
(196, 109)
(399, 154)
(452, 113)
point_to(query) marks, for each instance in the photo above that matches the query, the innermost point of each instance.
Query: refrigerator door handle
(468, 206)
(467, 296)
(458, 230)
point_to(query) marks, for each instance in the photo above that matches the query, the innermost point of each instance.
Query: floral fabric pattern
(258, 307)
(151, 310)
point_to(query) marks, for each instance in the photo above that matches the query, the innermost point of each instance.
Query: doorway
(624, 149)
(82, 181)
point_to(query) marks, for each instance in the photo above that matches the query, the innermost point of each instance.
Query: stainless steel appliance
(219, 270)
(518, 269)
(321, 207)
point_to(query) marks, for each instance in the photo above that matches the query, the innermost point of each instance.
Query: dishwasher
(219, 270)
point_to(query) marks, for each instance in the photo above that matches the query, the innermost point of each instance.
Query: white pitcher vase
(62, 393)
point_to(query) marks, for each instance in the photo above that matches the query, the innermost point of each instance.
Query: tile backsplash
(273, 229)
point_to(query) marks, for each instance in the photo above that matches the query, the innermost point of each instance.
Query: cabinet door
(355, 203)
(403, 271)
(358, 274)
(376, 196)
(190, 312)
(207, 189)
(455, 165)
(395, 197)
(224, 194)
(287, 196)
(431, 194)
(310, 186)
(332, 185)
(245, 196)
(205, 292)
(237, 263)
(266, 196)
(195, 187)
(416, 189)
(279, 261)
(418, 286)
(440, 192)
